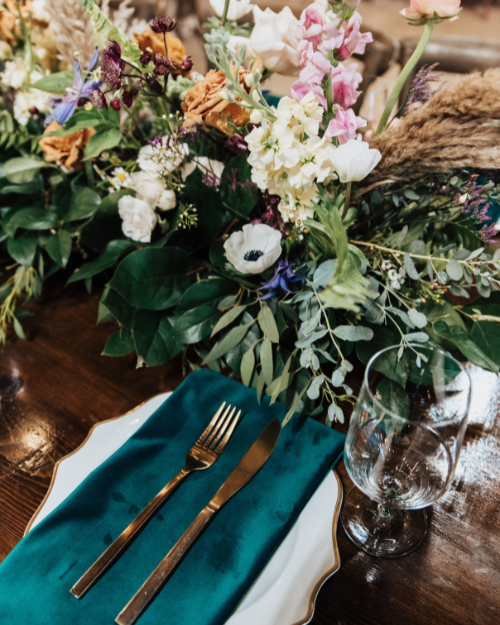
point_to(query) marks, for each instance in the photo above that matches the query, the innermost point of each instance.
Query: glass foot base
(380, 531)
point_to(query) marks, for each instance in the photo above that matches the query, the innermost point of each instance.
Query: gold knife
(247, 467)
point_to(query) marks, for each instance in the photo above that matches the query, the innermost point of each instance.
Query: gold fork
(202, 455)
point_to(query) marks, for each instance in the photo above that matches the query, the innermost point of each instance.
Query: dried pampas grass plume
(458, 127)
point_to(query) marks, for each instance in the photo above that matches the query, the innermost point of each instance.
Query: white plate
(286, 590)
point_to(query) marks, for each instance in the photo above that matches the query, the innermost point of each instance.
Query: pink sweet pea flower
(313, 28)
(300, 88)
(345, 81)
(316, 63)
(344, 126)
(354, 41)
(426, 8)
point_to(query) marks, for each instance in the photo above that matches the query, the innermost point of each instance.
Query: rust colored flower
(154, 41)
(204, 104)
(67, 151)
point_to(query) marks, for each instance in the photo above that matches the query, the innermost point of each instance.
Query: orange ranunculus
(419, 9)
(204, 104)
(67, 151)
(154, 41)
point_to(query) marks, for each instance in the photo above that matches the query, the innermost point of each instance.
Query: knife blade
(244, 471)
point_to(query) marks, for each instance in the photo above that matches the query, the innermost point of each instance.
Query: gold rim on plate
(319, 584)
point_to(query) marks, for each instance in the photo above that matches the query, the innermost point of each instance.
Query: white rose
(253, 249)
(205, 164)
(354, 160)
(273, 39)
(166, 200)
(237, 8)
(147, 185)
(139, 218)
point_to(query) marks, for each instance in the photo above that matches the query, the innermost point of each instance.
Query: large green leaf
(486, 335)
(120, 343)
(196, 324)
(152, 278)
(208, 205)
(236, 190)
(59, 247)
(466, 344)
(268, 324)
(154, 337)
(121, 310)
(108, 258)
(394, 397)
(206, 292)
(230, 340)
(23, 248)
(83, 205)
(104, 139)
(79, 121)
(23, 168)
(55, 83)
(31, 219)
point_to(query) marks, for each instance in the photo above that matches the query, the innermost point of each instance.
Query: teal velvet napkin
(36, 577)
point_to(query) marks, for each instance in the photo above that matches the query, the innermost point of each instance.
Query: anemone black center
(253, 255)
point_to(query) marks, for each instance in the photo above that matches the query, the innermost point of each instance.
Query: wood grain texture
(55, 386)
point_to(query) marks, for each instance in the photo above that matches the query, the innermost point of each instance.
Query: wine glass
(403, 444)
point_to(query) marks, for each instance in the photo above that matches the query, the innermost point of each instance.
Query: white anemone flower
(354, 160)
(253, 249)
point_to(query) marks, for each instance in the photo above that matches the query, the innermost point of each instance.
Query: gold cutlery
(202, 455)
(245, 470)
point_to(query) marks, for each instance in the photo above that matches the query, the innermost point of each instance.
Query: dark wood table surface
(55, 386)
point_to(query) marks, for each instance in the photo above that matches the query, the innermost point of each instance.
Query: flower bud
(256, 116)
(116, 105)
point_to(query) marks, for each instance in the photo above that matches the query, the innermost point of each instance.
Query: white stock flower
(254, 248)
(354, 160)
(237, 8)
(27, 100)
(15, 73)
(138, 217)
(273, 39)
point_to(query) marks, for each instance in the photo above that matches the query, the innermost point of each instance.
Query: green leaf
(18, 328)
(487, 305)
(268, 324)
(486, 335)
(154, 337)
(59, 247)
(466, 344)
(121, 310)
(323, 274)
(31, 219)
(234, 355)
(247, 366)
(230, 340)
(454, 270)
(108, 258)
(109, 203)
(55, 83)
(388, 363)
(23, 248)
(23, 168)
(120, 343)
(260, 386)
(266, 359)
(206, 292)
(282, 383)
(228, 317)
(83, 205)
(208, 205)
(353, 333)
(410, 268)
(289, 312)
(196, 324)
(243, 197)
(104, 139)
(418, 319)
(394, 398)
(438, 371)
(152, 278)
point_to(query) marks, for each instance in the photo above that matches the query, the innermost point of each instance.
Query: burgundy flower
(162, 65)
(163, 24)
(187, 64)
(112, 65)
(129, 95)
(146, 57)
(116, 105)
(97, 99)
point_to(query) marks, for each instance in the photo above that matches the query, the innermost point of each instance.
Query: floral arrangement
(258, 236)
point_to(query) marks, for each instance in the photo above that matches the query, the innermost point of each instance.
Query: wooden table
(55, 386)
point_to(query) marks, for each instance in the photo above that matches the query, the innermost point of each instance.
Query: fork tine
(220, 421)
(212, 423)
(221, 429)
(219, 447)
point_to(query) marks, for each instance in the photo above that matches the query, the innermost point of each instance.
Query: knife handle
(158, 578)
(129, 534)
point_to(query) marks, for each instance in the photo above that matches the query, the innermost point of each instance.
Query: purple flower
(65, 106)
(419, 92)
(279, 283)
(163, 24)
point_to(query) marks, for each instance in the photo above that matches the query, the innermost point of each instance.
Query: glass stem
(407, 69)
(384, 511)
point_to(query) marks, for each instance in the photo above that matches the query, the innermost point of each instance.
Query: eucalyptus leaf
(230, 340)
(353, 333)
(454, 270)
(266, 359)
(247, 366)
(268, 324)
(315, 336)
(324, 273)
(418, 319)
(227, 318)
(410, 268)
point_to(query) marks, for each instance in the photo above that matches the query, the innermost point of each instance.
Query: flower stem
(347, 199)
(224, 13)
(407, 69)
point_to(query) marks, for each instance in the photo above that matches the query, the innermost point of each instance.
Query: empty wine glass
(403, 444)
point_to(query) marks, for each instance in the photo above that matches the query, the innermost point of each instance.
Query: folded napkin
(36, 577)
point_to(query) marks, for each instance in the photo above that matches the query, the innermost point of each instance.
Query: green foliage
(120, 343)
(107, 259)
(104, 139)
(466, 344)
(241, 199)
(394, 397)
(154, 337)
(55, 83)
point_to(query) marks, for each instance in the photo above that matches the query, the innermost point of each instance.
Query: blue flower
(65, 106)
(279, 283)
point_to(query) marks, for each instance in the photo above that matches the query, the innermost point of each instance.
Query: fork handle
(158, 578)
(118, 546)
